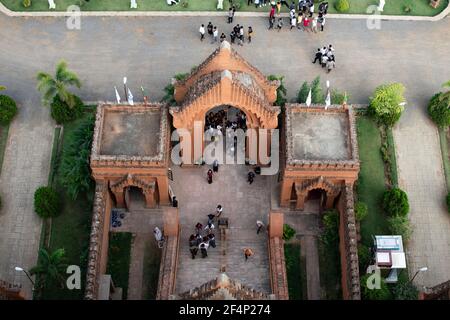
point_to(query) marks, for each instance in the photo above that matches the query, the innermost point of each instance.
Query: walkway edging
(11, 13)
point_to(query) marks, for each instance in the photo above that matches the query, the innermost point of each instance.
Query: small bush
(383, 293)
(399, 225)
(8, 109)
(46, 202)
(338, 97)
(395, 202)
(342, 5)
(448, 202)
(439, 110)
(385, 106)
(364, 257)
(405, 290)
(26, 3)
(185, 3)
(317, 95)
(62, 113)
(303, 92)
(288, 232)
(330, 236)
(361, 210)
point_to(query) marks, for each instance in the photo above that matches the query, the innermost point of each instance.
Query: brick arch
(303, 188)
(148, 189)
(260, 114)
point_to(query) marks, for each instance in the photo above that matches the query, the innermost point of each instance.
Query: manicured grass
(296, 272)
(152, 260)
(394, 7)
(330, 271)
(71, 229)
(371, 182)
(119, 256)
(392, 156)
(445, 156)
(3, 141)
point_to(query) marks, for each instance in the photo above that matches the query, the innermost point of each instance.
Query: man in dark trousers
(210, 27)
(250, 177)
(318, 56)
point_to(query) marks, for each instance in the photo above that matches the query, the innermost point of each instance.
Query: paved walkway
(151, 50)
(243, 204)
(421, 175)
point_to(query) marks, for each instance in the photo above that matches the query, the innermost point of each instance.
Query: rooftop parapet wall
(225, 58)
(323, 164)
(160, 159)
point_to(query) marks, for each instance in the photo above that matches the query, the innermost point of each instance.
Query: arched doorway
(134, 198)
(316, 200)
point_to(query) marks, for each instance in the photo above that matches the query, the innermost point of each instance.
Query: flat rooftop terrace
(319, 135)
(131, 133)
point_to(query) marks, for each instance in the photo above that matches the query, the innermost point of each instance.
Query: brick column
(120, 198)
(276, 221)
(171, 221)
(163, 190)
(150, 198)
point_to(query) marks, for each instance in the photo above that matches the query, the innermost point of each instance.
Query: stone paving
(151, 50)
(243, 204)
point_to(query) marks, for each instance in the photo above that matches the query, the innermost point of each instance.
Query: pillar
(276, 222)
(149, 198)
(171, 221)
(163, 189)
(120, 198)
(300, 204)
(330, 200)
(286, 189)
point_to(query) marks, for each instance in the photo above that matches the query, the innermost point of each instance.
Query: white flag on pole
(117, 95)
(308, 99)
(328, 99)
(130, 97)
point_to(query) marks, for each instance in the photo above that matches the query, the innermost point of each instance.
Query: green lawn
(445, 156)
(71, 229)
(296, 272)
(3, 141)
(371, 182)
(394, 7)
(152, 261)
(330, 272)
(119, 257)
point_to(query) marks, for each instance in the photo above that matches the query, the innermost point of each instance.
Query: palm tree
(51, 266)
(57, 86)
(445, 95)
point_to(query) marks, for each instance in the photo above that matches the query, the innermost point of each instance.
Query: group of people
(300, 16)
(326, 58)
(204, 237)
(237, 34)
(218, 120)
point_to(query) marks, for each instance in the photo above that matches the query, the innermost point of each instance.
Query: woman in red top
(306, 23)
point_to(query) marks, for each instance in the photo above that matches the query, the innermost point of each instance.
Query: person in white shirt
(293, 22)
(171, 2)
(215, 34)
(314, 25)
(311, 9)
(202, 32)
(219, 210)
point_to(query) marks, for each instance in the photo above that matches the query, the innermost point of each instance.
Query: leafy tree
(342, 5)
(383, 293)
(330, 236)
(439, 110)
(281, 90)
(170, 88)
(57, 86)
(395, 202)
(385, 106)
(445, 95)
(405, 290)
(75, 170)
(51, 266)
(8, 109)
(399, 225)
(288, 232)
(361, 210)
(62, 113)
(338, 97)
(46, 202)
(303, 92)
(317, 95)
(364, 257)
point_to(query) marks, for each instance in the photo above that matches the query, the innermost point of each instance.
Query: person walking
(193, 246)
(210, 27)
(279, 24)
(210, 176)
(250, 177)
(212, 240)
(204, 249)
(202, 32)
(198, 228)
(272, 12)
(219, 210)
(223, 37)
(293, 22)
(230, 15)
(321, 21)
(216, 162)
(331, 64)
(278, 7)
(250, 34)
(248, 253)
(324, 60)
(259, 226)
(215, 34)
(314, 25)
(311, 9)
(318, 56)
(232, 36)
(271, 22)
(306, 22)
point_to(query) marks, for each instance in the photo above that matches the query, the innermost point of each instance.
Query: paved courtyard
(151, 50)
